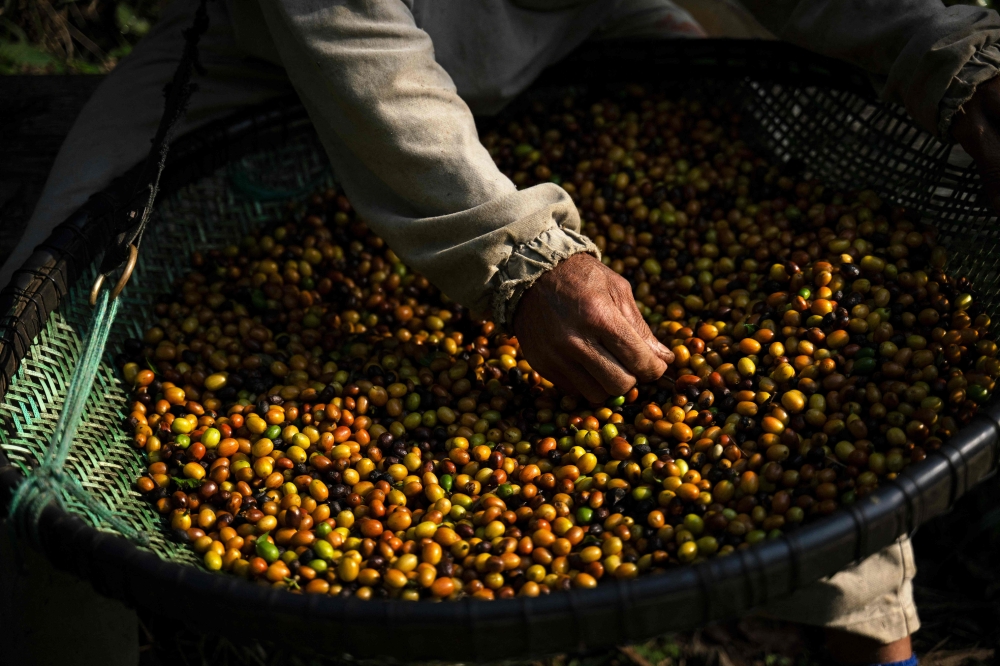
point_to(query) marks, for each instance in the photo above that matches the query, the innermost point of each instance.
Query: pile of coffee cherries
(317, 417)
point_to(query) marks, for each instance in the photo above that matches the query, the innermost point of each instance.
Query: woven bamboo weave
(209, 213)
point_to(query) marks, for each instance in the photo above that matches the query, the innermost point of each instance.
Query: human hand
(977, 128)
(578, 326)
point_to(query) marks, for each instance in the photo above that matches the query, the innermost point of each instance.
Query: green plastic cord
(48, 482)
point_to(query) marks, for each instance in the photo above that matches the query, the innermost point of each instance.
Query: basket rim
(614, 612)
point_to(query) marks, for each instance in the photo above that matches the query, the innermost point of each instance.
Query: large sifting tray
(820, 114)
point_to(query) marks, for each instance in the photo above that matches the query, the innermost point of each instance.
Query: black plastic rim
(616, 612)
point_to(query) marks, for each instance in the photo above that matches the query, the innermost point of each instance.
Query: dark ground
(958, 584)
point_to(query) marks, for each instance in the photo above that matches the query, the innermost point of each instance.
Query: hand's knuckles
(651, 371)
(632, 314)
(622, 330)
(621, 385)
(579, 348)
(615, 379)
(642, 328)
(594, 311)
(648, 366)
(618, 280)
(622, 292)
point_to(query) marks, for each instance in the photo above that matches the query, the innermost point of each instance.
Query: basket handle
(50, 482)
(131, 216)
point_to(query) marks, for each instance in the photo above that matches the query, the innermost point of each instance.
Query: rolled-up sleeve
(919, 53)
(405, 148)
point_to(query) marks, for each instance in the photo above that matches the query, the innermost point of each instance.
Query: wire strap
(49, 482)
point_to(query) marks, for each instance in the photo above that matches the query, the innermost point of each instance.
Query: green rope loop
(49, 482)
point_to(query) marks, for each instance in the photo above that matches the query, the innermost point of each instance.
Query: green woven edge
(209, 213)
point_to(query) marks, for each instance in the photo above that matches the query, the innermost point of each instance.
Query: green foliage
(16, 53)
(17, 56)
(70, 36)
(129, 22)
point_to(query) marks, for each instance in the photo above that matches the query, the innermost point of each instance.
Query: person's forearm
(916, 51)
(405, 147)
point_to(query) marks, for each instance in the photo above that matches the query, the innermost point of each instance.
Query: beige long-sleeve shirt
(391, 86)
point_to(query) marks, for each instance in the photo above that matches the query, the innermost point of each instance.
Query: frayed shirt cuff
(981, 67)
(530, 261)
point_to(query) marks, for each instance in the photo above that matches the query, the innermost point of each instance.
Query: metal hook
(133, 255)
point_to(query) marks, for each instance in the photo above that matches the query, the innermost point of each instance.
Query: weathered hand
(977, 128)
(579, 328)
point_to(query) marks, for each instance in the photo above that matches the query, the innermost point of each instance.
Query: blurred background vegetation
(71, 36)
(91, 36)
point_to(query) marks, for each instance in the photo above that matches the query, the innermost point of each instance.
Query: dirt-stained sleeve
(405, 147)
(919, 53)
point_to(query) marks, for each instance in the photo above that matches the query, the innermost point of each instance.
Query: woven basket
(227, 178)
